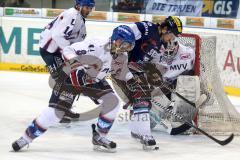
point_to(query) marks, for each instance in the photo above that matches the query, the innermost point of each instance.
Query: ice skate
(101, 143)
(148, 142)
(19, 144)
(136, 136)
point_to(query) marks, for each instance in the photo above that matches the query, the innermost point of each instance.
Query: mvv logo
(178, 66)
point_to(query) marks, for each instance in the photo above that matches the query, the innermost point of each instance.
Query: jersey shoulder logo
(185, 56)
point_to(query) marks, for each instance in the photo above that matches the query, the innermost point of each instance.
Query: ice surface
(24, 95)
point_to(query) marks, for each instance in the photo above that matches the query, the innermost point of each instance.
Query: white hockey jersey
(95, 58)
(183, 61)
(66, 29)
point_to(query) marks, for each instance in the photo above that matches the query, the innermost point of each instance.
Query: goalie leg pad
(156, 113)
(159, 116)
(188, 87)
(159, 96)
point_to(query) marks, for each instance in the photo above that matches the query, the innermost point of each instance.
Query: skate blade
(136, 139)
(103, 149)
(150, 148)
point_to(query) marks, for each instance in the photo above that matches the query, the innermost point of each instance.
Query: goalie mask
(170, 49)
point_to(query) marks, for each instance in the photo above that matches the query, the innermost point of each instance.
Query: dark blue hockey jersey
(147, 42)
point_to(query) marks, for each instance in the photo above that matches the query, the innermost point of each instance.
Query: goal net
(218, 116)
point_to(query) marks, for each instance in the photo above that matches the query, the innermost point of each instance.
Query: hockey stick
(86, 90)
(221, 142)
(178, 94)
(172, 131)
(185, 99)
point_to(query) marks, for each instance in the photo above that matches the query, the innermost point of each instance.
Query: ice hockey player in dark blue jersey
(149, 37)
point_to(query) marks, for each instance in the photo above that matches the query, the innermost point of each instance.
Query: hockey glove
(154, 76)
(136, 91)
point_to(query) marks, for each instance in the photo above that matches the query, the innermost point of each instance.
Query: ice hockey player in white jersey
(66, 29)
(174, 61)
(92, 60)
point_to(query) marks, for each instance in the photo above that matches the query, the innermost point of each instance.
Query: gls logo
(178, 67)
(220, 8)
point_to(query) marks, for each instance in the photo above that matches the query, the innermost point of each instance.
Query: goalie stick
(193, 104)
(172, 131)
(179, 95)
(221, 142)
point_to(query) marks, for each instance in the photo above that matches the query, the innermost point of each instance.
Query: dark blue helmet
(124, 33)
(89, 3)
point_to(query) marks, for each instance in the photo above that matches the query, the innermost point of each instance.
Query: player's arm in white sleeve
(120, 68)
(105, 70)
(62, 33)
(97, 64)
(70, 52)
